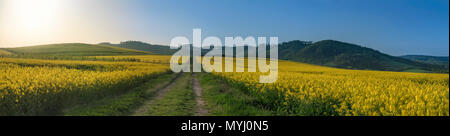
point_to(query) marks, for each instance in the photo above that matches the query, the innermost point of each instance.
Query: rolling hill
(4, 52)
(73, 49)
(326, 53)
(137, 45)
(345, 55)
(437, 60)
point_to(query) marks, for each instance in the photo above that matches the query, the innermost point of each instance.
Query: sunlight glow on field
(31, 22)
(38, 22)
(33, 16)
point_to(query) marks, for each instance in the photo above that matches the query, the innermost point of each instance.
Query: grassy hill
(137, 45)
(73, 49)
(345, 55)
(428, 59)
(4, 52)
(327, 53)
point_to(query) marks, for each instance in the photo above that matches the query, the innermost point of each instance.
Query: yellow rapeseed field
(303, 89)
(160, 59)
(33, 86)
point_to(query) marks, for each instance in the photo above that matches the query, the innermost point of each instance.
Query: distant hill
(72, 49)
(428, 59)
(345, 55)
(327, 53)
(4, 52)
(137, 45)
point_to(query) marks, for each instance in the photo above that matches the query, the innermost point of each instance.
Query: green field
(74, 49)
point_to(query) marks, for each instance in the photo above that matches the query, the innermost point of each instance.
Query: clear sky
(396, 27)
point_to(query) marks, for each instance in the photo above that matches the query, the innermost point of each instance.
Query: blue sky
(396, 27)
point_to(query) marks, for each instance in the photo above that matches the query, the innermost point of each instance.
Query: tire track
(200, 109)
(141, 111)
